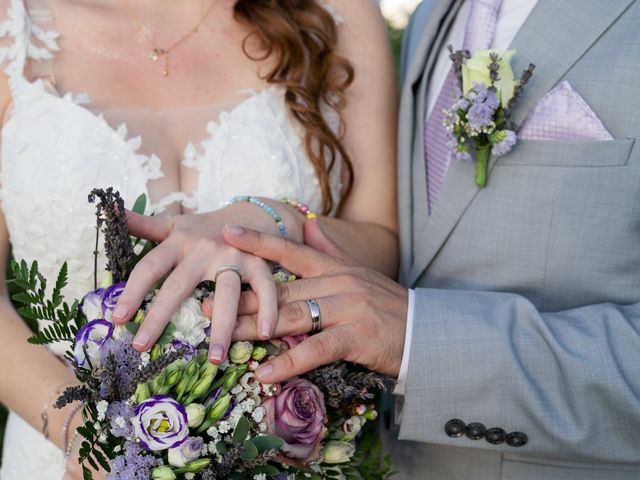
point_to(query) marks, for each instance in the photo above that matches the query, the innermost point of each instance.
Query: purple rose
(90, 339)
(160, 423)
(298, 416)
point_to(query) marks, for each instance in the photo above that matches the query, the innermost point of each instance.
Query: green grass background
(395, 36)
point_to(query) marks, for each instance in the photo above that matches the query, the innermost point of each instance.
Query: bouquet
(480, 115)
(170, 414)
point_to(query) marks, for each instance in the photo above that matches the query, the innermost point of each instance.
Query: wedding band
(315, 316)
(228, 268)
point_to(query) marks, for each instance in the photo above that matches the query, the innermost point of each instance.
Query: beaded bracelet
(69, 449)
(303, 208)
(282, 229)
(67, 422)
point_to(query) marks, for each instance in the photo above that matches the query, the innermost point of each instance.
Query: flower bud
(371, 414)
(142, 392)
(195, 414)
(139, 317)
(200, 388)
(162, 473)
(173, 377)
(240, 352)
(352, 427)
(188, 451)
(337, 452)
(196, 465)
(216, 412)
(208, 369)
(232, 375)
(107, 280)
(360, 409)
(259, 354)
(156, 351)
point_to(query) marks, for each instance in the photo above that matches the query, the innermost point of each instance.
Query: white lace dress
(55, 149)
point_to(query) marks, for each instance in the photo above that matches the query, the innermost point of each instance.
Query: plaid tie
(478, 35)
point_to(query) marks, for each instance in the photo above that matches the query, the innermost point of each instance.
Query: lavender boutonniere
(479, 117)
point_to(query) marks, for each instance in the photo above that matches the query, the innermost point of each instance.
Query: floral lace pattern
(54, 151)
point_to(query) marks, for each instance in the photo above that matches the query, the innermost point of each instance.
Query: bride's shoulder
(361, 17)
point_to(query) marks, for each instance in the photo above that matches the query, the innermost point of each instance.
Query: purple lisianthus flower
(110, 298)
(508, 140)
(189, 351)
(91, 305)
(298, 416)
(160, 423)
(90, 340)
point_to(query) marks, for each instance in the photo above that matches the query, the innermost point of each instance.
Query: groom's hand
(363, 313)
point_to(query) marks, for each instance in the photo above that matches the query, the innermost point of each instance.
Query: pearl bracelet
(282, 229)
(67, 422)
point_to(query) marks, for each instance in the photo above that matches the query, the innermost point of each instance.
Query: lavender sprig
(110, 213)
(458, 57)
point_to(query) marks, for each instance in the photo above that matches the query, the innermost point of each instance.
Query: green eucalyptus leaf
(267, 442)
(241, 431)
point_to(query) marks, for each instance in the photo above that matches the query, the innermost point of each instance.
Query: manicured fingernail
(265, 333)
(141, 340)
(217, 352)
(120, 312)
(234, 229)
(265, 371)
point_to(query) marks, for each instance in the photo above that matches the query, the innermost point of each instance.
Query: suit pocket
(569, 153)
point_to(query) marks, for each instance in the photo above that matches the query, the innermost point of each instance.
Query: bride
(191, 103)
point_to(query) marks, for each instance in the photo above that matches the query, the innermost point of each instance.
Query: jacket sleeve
(569, 381)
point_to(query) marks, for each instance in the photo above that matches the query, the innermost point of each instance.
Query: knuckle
(204, 244)
(293, 311)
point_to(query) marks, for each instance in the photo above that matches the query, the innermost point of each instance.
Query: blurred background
(396, 13)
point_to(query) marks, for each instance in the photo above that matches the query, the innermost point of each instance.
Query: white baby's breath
(102, 406)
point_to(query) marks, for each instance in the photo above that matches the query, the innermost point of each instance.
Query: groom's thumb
(315, 238)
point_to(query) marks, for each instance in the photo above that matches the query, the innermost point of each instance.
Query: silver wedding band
(228, 268)
(315, 316)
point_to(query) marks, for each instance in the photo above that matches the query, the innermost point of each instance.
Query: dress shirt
(512, 16)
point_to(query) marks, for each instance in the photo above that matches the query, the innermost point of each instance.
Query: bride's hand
(192, 250)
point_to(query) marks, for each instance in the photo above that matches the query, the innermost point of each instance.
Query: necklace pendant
(156, 53)
(165, 72)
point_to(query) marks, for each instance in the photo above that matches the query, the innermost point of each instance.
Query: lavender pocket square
(562, 114)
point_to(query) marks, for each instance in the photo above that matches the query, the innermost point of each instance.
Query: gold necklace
(156, 52)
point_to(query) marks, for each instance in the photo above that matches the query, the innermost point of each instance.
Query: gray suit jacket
(527, 292)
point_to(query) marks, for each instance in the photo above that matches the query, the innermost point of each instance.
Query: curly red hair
(302, 36)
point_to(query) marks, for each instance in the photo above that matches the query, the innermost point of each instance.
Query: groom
(517, 350)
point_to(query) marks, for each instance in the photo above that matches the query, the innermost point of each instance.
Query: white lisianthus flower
(338, 452)
(195, 414)
(190, 322)
(188, 451)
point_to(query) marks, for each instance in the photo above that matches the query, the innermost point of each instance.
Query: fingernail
(234, 229)
(217, 352)
(120, 311)
(265, 333)
(141, 340)
(265, 371)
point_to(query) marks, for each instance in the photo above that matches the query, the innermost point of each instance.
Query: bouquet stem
(482, 164)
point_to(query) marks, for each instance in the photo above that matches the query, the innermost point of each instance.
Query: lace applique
(26, 37)
(334, 13)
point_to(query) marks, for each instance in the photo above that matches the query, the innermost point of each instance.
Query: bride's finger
(156, 229)
(260, 278)
(175, 289)
(225, 311)
(155, 265)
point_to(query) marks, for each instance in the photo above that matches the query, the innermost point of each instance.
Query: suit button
(517, 439)
(454, 428)
(495, 436)
(475, 431)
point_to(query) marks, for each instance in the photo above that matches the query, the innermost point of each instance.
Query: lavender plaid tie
(479, 32)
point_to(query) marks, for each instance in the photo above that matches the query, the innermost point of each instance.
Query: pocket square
(562, 114)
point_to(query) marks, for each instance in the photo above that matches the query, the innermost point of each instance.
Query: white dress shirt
(512, 16)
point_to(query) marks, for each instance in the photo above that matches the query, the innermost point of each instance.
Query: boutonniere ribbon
(478, 122)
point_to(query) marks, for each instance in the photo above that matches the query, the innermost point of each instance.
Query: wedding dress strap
(29, 39)
(334, 13)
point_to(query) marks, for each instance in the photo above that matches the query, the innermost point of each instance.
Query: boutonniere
(479, 117)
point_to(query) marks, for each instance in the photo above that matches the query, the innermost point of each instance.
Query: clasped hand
(363, 313)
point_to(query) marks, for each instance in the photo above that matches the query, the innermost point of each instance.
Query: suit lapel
(411, 164)
(554, 37)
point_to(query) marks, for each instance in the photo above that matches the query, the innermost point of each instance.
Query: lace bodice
(55, 150)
